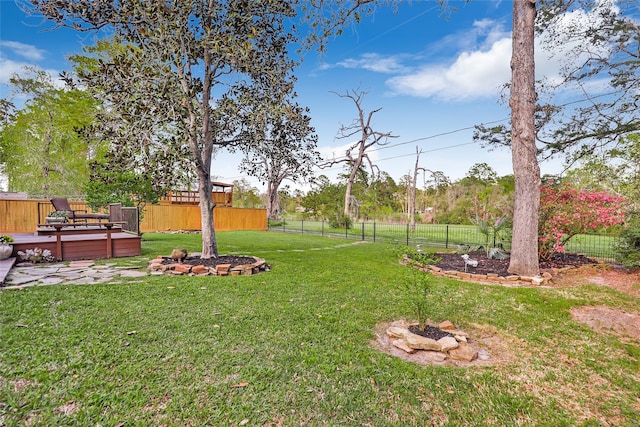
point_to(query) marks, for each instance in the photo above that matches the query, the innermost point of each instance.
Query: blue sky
(433, 77)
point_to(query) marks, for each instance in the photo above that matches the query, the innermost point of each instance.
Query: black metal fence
(436, 235)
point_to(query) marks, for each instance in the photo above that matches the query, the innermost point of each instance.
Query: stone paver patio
(72, 273)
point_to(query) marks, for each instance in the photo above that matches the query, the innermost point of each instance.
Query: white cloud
(474, 74)
(374, 62)
(23, 50)
(8, 68)
(481, 69)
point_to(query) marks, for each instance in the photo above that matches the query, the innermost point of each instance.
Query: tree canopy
(190, 76)
(43, 145)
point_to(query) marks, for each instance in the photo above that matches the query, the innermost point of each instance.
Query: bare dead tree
(361, 128)
(411, 208)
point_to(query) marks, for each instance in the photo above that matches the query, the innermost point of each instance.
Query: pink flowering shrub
(566, 211)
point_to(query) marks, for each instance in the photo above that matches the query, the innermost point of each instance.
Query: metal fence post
(374, 231)
(363, 230)
(446, 238)
(407, 234)
(302, 226)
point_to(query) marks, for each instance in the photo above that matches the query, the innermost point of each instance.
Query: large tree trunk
(273, 200)
(524, 249)
(347, 192)
(209, 243)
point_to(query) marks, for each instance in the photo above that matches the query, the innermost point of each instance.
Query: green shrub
(628, 247)
(340, 221)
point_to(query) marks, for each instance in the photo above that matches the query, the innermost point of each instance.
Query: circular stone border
(491, 347)
(157, 266)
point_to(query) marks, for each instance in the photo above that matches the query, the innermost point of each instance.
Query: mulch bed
(453, 261)
(430, 332)
(212, 262)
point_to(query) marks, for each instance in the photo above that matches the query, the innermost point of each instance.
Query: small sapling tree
(417, 284)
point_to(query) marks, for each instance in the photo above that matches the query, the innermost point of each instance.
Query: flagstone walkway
(72, 273)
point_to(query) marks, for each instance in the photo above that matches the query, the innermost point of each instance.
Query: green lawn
(293, 347)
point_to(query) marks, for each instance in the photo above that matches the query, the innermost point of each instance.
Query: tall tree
(209, 69)
(361, 129)
(600, 44)
(43, 147)
(287, 151)
(524, 249)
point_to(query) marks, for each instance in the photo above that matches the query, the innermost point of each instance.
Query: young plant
(490, 224)
(418, 284)
(5, 239)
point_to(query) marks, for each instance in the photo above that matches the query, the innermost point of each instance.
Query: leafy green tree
(245, 195)
(378, 201)
(42, 145)
(113, 182)
(482, 173)
(287, 151)
(599, 43)
(323, 201)
(203, 73)
(139, 148)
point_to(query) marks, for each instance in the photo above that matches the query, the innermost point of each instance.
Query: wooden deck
(80, 243)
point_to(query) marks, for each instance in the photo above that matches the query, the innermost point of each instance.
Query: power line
(436, 135)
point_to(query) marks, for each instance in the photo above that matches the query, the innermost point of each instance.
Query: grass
(293, 347)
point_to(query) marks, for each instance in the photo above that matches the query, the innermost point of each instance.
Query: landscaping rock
(460, 338)
(464, 352)
(421, 343)
(448, 343)
(446, 325)
(223, 269)
(402, 345)
(435, 356)
(183, 268)
(200, 269)
(398, 332)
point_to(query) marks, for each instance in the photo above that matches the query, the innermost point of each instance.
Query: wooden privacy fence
(22, 216)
